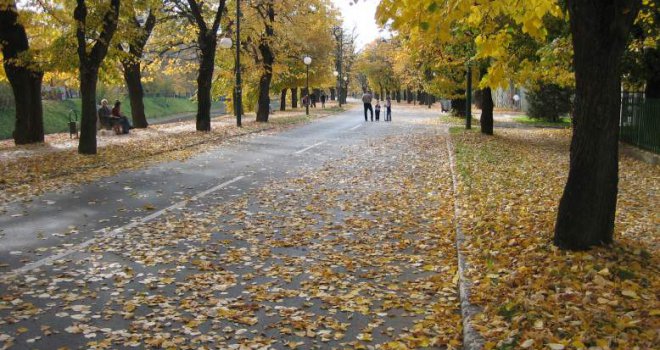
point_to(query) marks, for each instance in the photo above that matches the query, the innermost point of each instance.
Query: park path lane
(353, 249)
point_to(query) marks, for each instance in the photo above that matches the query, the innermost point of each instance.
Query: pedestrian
(388, 109)
(377, 110)
(120, 119)
(323, 98)
(304, 100)
(366, 99)
(313, 99)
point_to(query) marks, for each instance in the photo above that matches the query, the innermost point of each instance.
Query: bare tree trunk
(204, 84)
(133, 78)
(283, 100)
(25, 81)
(487, 106)
(294, 97)
(90, 61)
(600, 30)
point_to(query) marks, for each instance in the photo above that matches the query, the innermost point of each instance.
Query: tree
(588, 205)
(207, 41)
(132, 64)
(90, 61)
(24, 76)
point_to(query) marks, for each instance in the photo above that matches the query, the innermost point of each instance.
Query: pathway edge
(472, 339)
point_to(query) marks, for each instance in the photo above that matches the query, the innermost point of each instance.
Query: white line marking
(310, 147)
(355, 127)
(117, 231)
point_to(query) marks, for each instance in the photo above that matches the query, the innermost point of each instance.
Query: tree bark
(25, 80)
(332, 94)
(89, 67)
(207, 42)
(600, 31)
(458, 106)
(487, 106)
(294, 97)
(267, 60)
(283, 100)
(205, 82)
(133, 78)
(88, 79)
(133, 70)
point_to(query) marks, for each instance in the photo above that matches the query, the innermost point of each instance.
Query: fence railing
(640, 121)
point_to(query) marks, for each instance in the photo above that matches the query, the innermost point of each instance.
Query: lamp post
(226, 43)
(307, 60)
(468, 98)
(339, 35)
(336, 74)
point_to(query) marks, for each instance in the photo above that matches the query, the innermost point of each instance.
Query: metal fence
(640, 121)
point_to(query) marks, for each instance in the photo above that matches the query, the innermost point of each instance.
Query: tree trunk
(204, 84)
(458, 106)
(263, 107)
(133, 69)
(332, 94)
(267, 60)
(133, 78)
(294, 97)
(283, 100)
(600, 30)
(487, 105)
(88, 79)
(398, 96)
(89, 63)
(25, 82)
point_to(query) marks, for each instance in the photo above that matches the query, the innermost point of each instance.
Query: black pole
(238, 103)
(307, 88)
(468, 99)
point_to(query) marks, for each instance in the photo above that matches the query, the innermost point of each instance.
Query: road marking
(355, 127)
(117, 231)
(310, 147)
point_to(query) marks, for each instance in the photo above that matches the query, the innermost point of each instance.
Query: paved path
(329, 235)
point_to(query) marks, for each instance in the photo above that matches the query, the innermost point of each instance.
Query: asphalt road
(45, 236)
(55, 223)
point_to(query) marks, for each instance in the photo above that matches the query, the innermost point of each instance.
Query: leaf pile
(533, 295)
(31, 170)
(356, 254)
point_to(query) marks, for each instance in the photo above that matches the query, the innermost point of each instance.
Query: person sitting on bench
(120, 119)
(104, 115)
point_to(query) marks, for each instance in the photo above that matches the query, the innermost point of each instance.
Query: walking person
(366, 99)
(377, 110)
(388, 109)
(323, 98)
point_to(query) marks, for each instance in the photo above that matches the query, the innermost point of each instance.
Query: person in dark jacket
(120, 118)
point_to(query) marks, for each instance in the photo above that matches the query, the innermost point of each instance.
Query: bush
(549, 102)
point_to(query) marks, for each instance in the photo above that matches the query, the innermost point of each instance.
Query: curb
(472, 340)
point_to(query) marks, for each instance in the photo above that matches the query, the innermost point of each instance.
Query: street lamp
(307, 60)
(226, 43)
(339, 35)
(468, 98)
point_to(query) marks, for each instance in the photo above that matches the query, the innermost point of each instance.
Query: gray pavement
(267, 241)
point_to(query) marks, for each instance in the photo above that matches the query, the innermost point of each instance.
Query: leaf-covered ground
(533, 295)
(31, 170)
(357, 254)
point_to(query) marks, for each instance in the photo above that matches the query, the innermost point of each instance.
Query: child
(377, 110)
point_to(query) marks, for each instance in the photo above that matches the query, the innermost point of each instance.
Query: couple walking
(367, 98)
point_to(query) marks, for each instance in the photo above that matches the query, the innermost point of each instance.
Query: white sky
(360, 16)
